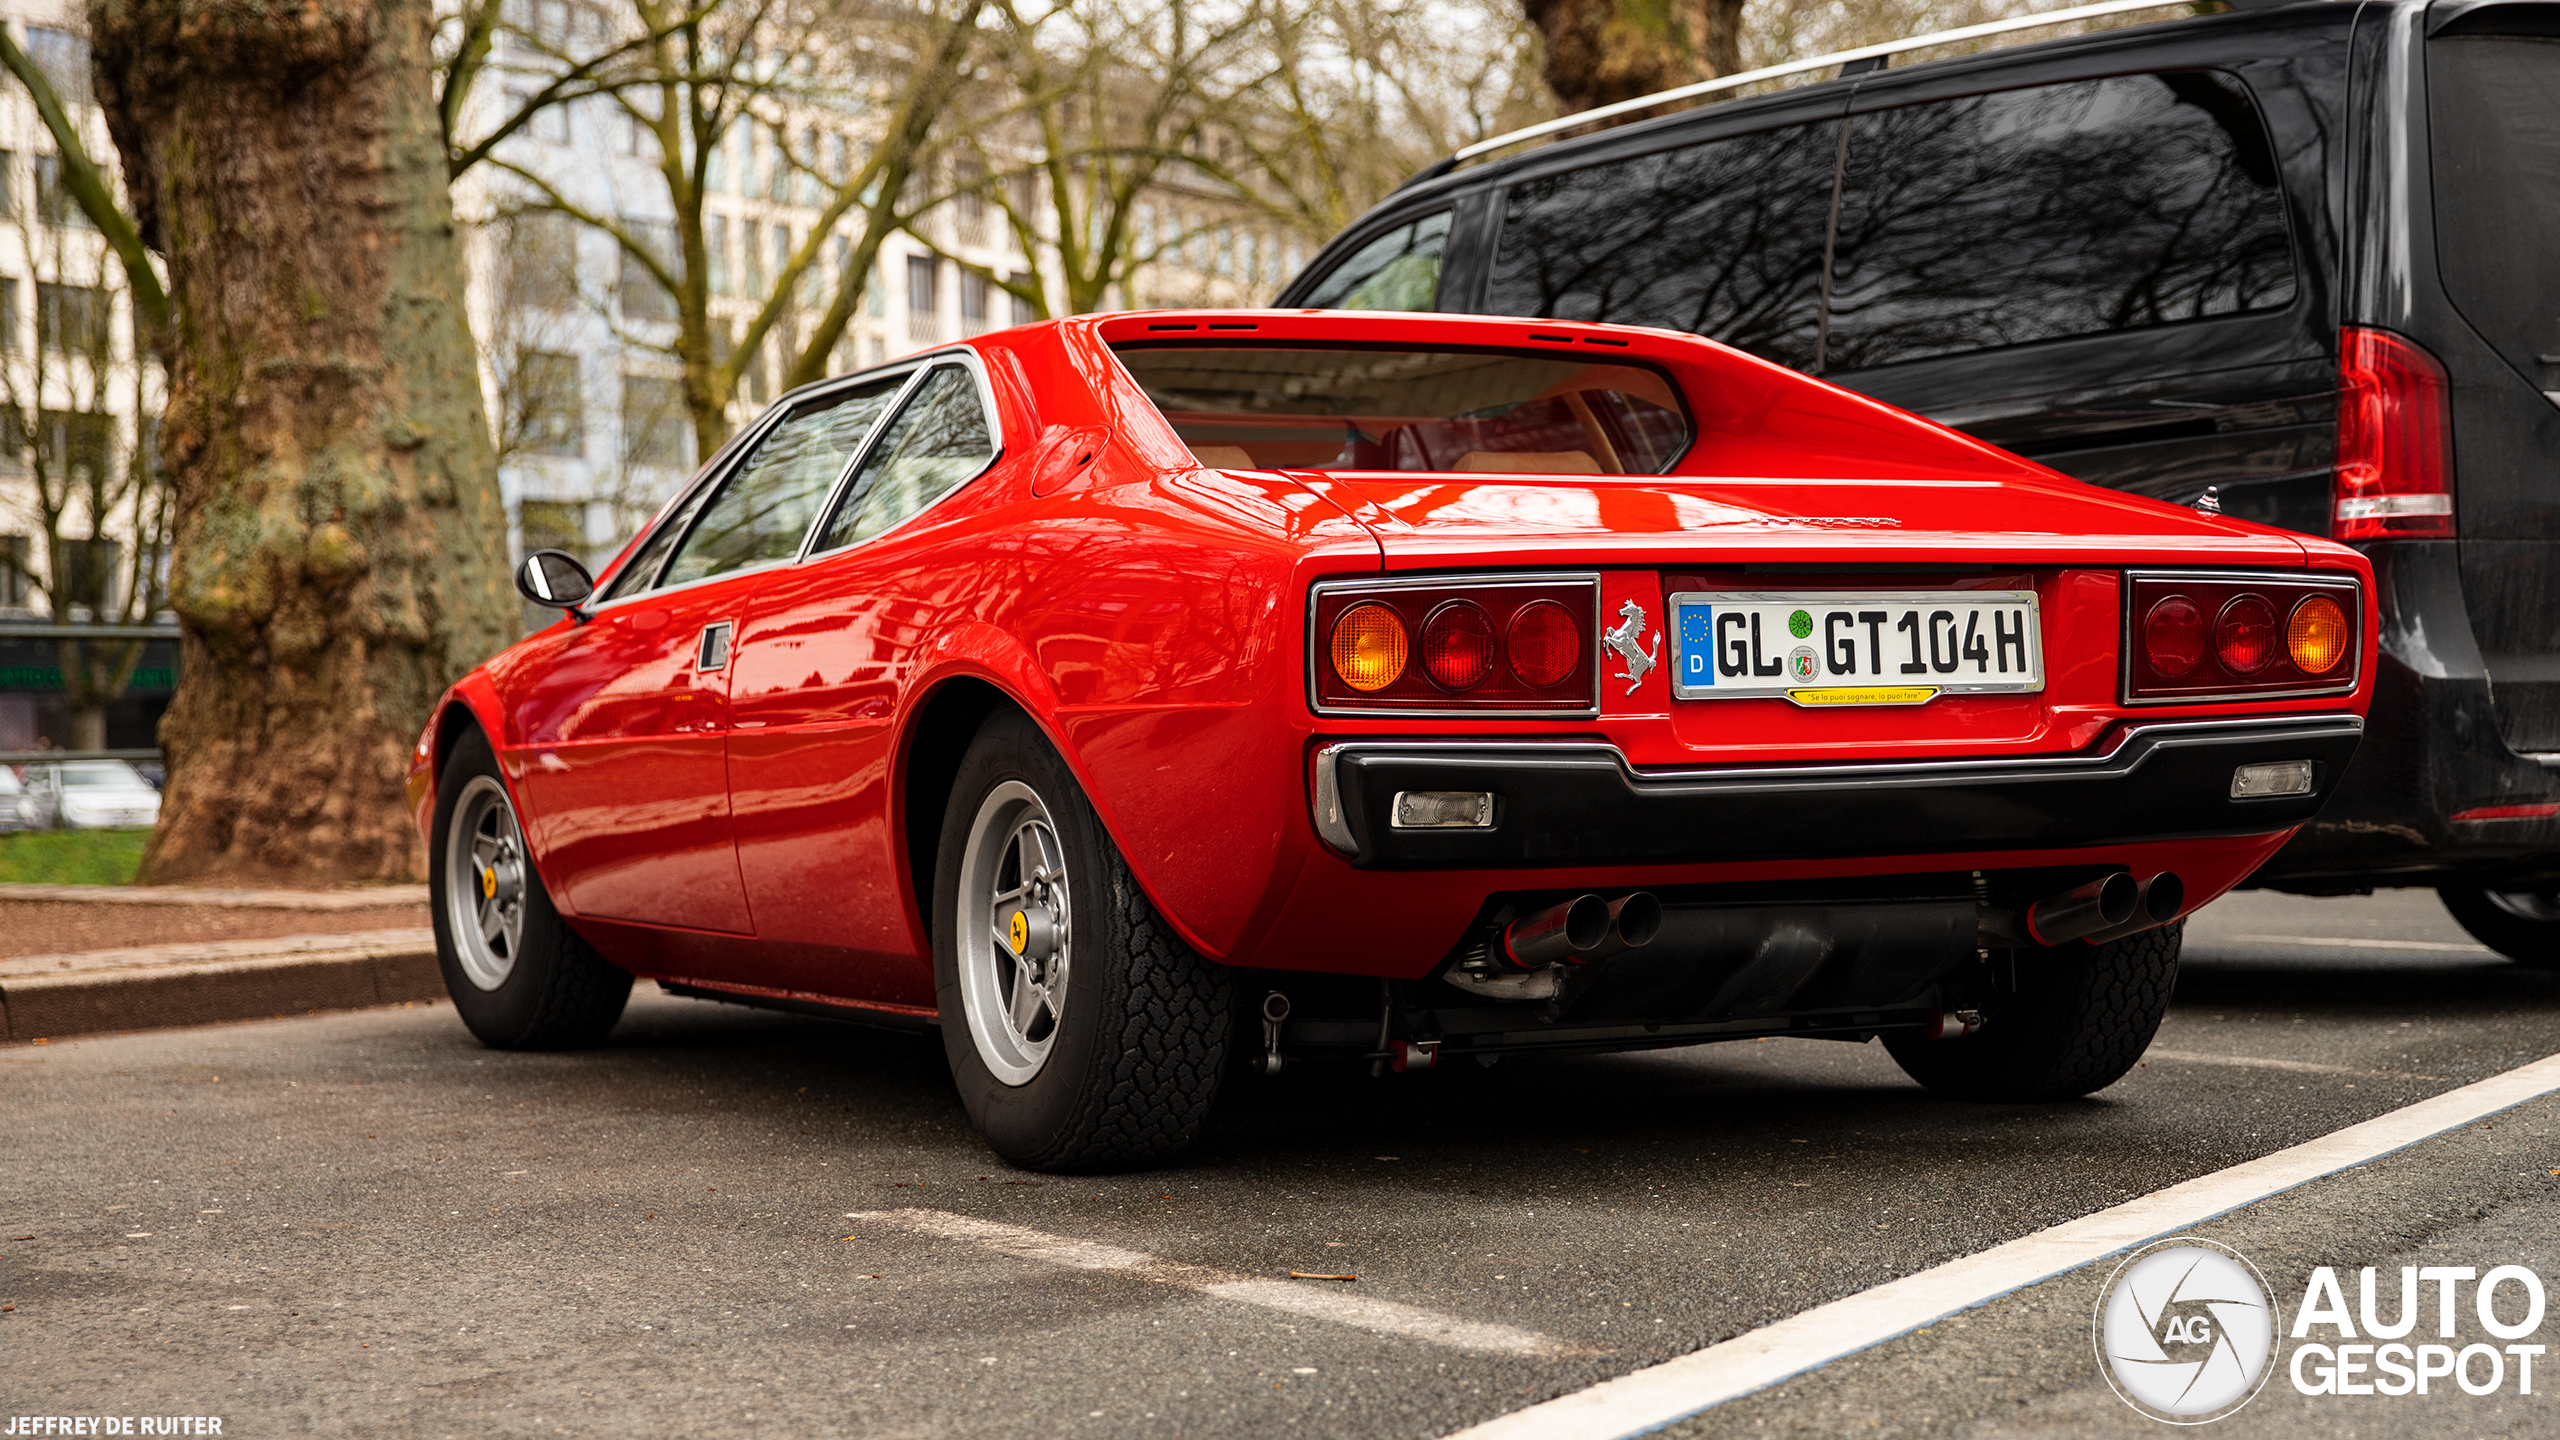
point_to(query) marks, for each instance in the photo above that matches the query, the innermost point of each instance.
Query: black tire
(557, 993)
(1135, 1051)
(2082, 1016)
(2523, 925)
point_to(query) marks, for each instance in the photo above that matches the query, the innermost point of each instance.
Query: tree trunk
(1600, 52)
(337, 553)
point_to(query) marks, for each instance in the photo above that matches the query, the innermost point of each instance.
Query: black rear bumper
(1579, 803)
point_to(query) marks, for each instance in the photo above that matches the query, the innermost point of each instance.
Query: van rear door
(2493, 142)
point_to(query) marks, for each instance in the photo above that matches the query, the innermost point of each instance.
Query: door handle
(712, 651)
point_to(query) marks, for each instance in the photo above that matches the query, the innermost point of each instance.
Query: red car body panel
(1151, 614)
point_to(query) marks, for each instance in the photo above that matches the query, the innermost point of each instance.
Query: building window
(753, 234)
(875, 294)
(641, 295)
(715, 245)
(8, 183)
(552, 525)
(92, 577)
(654, 431)
(17, 582)
(541, 261)
(72, 319)
(54, 204)
(551, 402)
(973, 304)
(1024, 312)
(8, 317)
(63, 56)
(69, 443)
(924, 316)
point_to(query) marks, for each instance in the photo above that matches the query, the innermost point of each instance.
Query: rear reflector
(2394, 477)
(2280, 777)
(1443, 810)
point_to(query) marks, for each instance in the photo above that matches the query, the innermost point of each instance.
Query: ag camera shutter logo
(2185, 1331)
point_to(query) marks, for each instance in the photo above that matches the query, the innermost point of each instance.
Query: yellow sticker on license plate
(1873, 647)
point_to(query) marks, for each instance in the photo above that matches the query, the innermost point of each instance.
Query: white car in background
(88, 795)
(13, 811)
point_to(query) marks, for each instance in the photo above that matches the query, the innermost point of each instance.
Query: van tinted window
(1399, 270)
(2059, 210)
(2494, 111)
(1722, 240)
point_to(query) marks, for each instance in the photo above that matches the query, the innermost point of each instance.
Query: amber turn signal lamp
(2316, 636)
(1369, 647)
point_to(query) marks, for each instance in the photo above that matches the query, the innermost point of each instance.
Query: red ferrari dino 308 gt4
(1146, 698)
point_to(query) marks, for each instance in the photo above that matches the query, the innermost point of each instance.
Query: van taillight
(1477, 645)
(2394, 470)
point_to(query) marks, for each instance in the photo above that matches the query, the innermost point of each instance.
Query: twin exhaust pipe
(1579, 931)
(2108, 908)
(1587, 928)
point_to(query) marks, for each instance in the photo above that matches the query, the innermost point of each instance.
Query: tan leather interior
(1222, 457)
(1527, 462)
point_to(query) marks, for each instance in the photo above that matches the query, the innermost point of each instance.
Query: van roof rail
(1819, 62)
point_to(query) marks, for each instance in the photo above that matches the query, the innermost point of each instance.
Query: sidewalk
(147, 958)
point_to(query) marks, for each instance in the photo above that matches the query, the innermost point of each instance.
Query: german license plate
(1883, 647)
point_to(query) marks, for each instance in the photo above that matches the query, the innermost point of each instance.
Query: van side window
(2060, 210)
(1722, 239)
(1399, 270)
(2493, 112)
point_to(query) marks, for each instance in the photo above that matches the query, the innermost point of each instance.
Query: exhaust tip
(2164, 897)
(1586, 923)
(1636, 919)
(2119, 895)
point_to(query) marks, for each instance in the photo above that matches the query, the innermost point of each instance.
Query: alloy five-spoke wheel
(1082, 1032)
(484, 883)
(1014, 967)
(519, 977)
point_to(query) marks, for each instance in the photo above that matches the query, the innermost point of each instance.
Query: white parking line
(2299, 1067)
(1654, 1397)
(2324, 941)
(1319, 1302)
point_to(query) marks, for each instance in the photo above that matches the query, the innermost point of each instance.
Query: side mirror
(554, 578)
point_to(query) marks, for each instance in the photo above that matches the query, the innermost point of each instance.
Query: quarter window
(764, 508)
(1399, 270)
(938, 443)
(1722, 239)
(2069, 209)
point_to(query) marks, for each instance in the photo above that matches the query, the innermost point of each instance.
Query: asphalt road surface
(729, 1222)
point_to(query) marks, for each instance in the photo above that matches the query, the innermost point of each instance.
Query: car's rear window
(2494, 132)
(1262, 407)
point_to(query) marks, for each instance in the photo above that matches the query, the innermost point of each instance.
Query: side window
(2493, 130)
(1399, 270)
(938, 443)
(1722, 239)
(642, 572)
(2060, 210)
(764, 508)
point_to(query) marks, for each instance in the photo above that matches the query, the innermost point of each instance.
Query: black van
(2301, 260)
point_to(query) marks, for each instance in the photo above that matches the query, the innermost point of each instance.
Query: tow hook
(1414, 1055)
(1275, 1008)
(1953, 1024)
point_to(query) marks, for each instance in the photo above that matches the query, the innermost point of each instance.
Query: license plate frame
(1880, 650)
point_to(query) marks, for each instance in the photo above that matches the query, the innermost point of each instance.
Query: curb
(371, 898)
(287, 981)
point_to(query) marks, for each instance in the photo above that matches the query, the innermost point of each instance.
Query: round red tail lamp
(2316, 636)
(2173, 636)
(1369, 647)
(2244, 637)
(1457, 645)
(1545, 644)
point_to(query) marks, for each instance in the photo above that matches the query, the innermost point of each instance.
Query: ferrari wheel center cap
(1020, 932)
(489, 882)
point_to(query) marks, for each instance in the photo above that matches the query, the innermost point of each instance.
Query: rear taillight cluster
(1468, 645)
(2204, 636)
(2394, 468)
